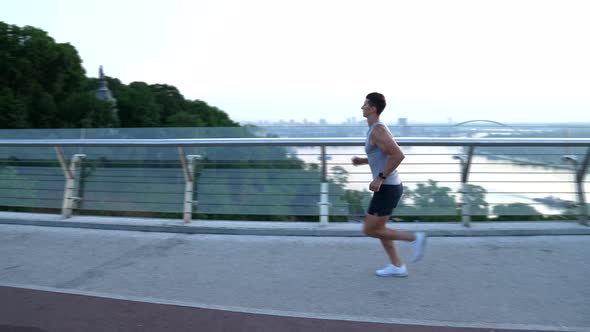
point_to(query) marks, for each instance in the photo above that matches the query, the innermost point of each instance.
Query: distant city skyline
(518, 61)
(410, 122)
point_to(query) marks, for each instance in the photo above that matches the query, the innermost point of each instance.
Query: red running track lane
(27, 310)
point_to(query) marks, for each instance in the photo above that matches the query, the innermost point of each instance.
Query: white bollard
(324, 204)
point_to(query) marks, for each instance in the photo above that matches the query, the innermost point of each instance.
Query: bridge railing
(293, 177)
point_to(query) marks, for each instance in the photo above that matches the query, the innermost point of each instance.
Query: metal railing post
(465, 189)
(188, 165)
(324, 202)
(71, 195)
(580, 172)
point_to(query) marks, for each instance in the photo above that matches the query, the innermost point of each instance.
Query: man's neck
(372, 119)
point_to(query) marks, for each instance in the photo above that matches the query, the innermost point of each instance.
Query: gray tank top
(377, 158)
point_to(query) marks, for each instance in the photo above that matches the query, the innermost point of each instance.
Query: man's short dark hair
(378, 100)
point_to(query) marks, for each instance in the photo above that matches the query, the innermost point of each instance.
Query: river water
(505, 181)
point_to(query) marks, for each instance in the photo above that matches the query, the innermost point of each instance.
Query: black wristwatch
(382, 176)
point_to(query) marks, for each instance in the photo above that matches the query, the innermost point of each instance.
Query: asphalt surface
(62, 279)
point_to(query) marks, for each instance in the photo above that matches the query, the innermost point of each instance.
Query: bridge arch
(488, 121)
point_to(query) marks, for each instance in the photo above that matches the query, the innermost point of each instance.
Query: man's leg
(389, 247)
(375, 227)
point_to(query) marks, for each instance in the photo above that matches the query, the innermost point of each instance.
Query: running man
(383, 157)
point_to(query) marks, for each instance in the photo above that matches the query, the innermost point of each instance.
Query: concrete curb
(270, 228)
(270, 231)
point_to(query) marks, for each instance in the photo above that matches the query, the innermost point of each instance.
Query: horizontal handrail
(338, 141)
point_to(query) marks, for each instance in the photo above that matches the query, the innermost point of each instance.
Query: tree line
(43, 85)
(430, 201)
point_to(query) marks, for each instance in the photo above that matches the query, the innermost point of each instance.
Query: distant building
(102, 91)
(403, 126)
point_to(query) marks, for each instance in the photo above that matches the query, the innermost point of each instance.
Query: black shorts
(385, 200)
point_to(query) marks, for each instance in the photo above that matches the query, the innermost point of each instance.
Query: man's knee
(374, 225)
(367, 231)
(370, 231)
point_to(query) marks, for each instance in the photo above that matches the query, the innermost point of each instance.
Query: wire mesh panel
(116, 186)
(31, 186)
(260, 181)
(257, 191)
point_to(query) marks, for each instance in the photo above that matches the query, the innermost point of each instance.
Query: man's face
(367, 108)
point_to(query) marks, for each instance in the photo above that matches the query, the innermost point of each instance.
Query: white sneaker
(419, 247)
(393, 271)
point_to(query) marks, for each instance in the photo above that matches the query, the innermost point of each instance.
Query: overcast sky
(503, 60)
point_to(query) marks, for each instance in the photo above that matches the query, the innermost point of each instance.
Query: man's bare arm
(357, 161)
(382, 138)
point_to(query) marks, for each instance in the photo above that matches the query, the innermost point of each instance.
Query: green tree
(516, 211)
(13, 110)
(84, 110)
(39, 73)
(161, 105)
(170, 101)
(340, 175)
(430, 199)
(210, 116)
(479, 206)
(356, 201)
(182, 119)
(137, 105)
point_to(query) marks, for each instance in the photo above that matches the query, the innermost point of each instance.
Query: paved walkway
(289, 283)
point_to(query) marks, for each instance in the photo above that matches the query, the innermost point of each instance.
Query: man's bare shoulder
(381, 131)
